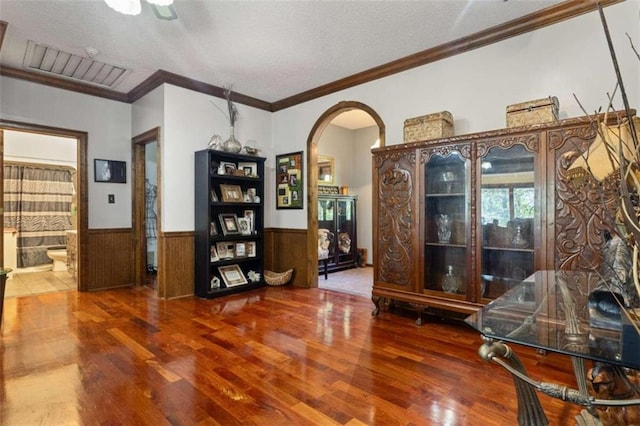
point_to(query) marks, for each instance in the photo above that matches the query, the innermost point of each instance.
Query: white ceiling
(268, 50)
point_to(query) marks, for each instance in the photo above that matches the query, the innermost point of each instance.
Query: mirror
(326, 169)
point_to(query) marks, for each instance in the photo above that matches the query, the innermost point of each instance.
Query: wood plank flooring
(275, 356)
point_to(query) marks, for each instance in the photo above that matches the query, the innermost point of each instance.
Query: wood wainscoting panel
(286, 248)
(175, 264)
(109, 258)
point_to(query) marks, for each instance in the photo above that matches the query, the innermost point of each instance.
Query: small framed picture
(214, 254)
(251, 249)
(214, 196)
(213, 229)
(110, 171)
(231, 193)
(250, 214)
(250, 169)
(229, 223)
(244, 226)
(241, 250)
(223, 250)
(232, 275)
(227, 168)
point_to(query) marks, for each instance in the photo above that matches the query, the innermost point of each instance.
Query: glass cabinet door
(446, 217)
(507, 213)
(344, 226)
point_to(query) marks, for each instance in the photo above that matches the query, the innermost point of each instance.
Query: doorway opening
(36, 155)
(146, 210)
(361, 188)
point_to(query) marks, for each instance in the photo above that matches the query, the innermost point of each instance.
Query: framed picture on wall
(289, 181)
(109, 171)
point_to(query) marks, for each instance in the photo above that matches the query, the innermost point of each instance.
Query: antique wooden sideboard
(460, 220)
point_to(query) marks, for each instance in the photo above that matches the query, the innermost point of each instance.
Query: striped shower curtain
(37, 203)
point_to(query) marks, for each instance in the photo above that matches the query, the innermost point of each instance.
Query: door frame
(82, 189)
(312, 177)
(138, 173)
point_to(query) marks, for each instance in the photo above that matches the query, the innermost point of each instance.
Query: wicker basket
(277, 278)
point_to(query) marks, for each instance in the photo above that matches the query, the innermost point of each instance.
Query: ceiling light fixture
(162, 8)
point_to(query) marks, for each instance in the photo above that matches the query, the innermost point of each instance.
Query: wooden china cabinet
(459, 221)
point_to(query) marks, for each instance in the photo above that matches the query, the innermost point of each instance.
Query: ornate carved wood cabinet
(459, 221)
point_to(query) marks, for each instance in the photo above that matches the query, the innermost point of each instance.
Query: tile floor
(354, 281)
(37, 282)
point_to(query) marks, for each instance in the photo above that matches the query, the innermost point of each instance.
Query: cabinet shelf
(446, 195)
(224, 178)
(234, 204)
(446, 245)
(525, 250)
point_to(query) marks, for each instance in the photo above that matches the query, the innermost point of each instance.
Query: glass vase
(450, 281)
(232, 144)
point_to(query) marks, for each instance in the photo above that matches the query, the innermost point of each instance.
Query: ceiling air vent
(48, 59)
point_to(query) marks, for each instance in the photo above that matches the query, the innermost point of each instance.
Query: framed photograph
(251, 195)
(250, 214)
(213, 229)
(225, 250)
(229, 223)
(214, 196)
(227, 168)
(110, 171)
(249, 168)
(231, 193)
(244, 226)
(241, 250)
(232, 275)
(289, 180)
(251, 249)
(214, 254)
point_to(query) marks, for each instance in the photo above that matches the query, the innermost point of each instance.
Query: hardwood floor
(275, 356)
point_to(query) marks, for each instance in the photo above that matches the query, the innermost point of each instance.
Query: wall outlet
(112, 198)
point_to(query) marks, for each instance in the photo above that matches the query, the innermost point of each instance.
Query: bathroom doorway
(146, 209)
(33, 152)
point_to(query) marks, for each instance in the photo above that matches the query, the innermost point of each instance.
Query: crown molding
(549, 16)
(161, 77)
(62, 83)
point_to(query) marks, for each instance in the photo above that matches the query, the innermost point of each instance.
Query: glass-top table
(551, 311)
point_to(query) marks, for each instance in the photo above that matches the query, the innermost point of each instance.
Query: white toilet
(59, 257)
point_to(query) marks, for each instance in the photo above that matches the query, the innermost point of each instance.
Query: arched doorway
(312, 176)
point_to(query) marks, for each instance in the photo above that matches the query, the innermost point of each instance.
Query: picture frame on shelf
(244, 225)
(227, 168)
(231, 193)
(214, 196)
(250, 214)
(251, 249)
(214, 254)
(250, 196)
(232, 275)
(289, 179)
(241, 249)
(249, 168)
(229, 223)
(223, 250)
(213, 229)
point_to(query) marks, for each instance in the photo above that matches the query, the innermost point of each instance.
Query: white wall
(560, 60)
(107, 123)
(189, 122)
(36, 148)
